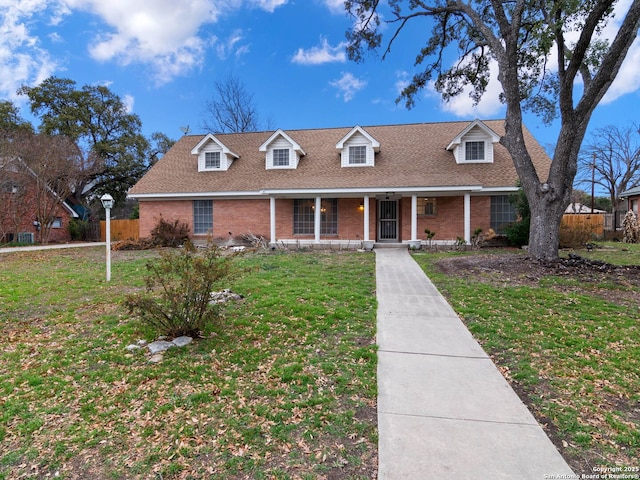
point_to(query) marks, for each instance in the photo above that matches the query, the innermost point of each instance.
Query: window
(357, 155)
(280, 157)
(503, 213)
(474, 151)
(202, 216)
(304, 216)
(57, 222)
(211, 160)
(427, 206)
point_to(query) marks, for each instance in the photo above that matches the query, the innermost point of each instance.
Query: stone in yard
(182, 341)
(160, 346)
(157, 358)
(132, 347)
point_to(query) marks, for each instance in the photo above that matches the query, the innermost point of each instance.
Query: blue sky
(163, 56)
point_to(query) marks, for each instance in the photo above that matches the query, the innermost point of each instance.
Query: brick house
(18, 209)
(375, 183)
(632, 198)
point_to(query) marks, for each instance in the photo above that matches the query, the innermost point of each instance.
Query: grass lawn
(569, 344)
(283, 387)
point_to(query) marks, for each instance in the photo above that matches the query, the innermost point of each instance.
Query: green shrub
(518, 232)
(78, 229)
(177, 300)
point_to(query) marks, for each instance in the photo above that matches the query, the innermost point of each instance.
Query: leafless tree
(611, 161)
(49, 167)
(232, 108)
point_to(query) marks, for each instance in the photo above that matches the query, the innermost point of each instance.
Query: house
(20, 214)
(632, 196)
(375, 183)
(580, 208)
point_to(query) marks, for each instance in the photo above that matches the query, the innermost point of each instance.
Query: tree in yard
(232, 109)
(542, 50)
(45, 168)
(114, 153)
(611, 160)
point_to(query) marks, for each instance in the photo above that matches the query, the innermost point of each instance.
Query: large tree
(611, 161)
(551, 58)
(114, 153)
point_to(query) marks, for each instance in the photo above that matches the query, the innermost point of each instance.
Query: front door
(388, 221)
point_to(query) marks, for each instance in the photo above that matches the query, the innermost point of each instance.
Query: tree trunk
(544, 232)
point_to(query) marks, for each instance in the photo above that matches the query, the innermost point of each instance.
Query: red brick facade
(237, 217)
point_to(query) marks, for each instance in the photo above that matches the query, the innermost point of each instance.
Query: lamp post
(107, 203)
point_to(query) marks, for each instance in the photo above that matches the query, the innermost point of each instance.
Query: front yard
(284, 387)
(567, 337)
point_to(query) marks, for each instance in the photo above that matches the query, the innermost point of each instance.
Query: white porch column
(366, 217)
(414, 217)
(272, 220)
(318, 219)
(467, 218)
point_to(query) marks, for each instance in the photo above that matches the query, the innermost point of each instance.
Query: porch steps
(390, 245)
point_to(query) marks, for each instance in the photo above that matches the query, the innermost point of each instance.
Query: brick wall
(172, 210)
(243, 216)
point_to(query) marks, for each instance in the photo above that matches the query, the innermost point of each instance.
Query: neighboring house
(632, 196)
(18, 209)
(580, 208)
(378, 183)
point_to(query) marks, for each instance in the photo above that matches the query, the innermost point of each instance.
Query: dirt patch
(587, 276)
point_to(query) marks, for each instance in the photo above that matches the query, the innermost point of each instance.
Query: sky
(163, 57)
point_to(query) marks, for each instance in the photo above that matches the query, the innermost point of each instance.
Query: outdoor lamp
(107, 203)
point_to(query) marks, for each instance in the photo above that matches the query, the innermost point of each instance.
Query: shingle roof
(410, 156)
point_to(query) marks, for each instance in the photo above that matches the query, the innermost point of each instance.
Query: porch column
(272, 220)
(467, 218)
(318, 219)
(366, 217)
(414, 217)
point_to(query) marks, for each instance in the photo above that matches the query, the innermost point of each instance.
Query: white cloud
(348, 85)
(335, 6)
(22, 58)
(402, 81)
(128, 101)
(463, 106)
(325, 53)
(269, 5)
(163, 34)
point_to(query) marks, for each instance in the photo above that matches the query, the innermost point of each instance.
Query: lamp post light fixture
(107, 203)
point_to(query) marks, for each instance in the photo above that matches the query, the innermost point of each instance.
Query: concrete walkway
(52, 247)
(444, 410)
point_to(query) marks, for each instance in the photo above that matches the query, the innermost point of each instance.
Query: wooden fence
(121, 230)
(592, 221)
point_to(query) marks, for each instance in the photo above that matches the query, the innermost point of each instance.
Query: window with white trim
(57, 222)
(202, 217)
(474, 151)
(212, 160)
(357, 154)
(503, 213)
(280, 157)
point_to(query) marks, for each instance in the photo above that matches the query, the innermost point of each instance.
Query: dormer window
(474, 144)
(280, 157)
(281, 151)
(358, 148)
(212, 160)
(357, 155)
(474, 151)
(213, 155)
